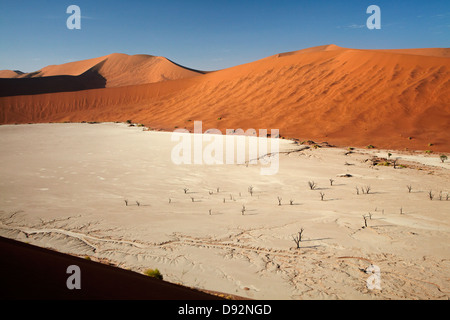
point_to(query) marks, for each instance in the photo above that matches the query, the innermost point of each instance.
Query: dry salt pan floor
(64, 186)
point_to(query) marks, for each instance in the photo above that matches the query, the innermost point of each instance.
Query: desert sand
(392, 99)
(64, 186)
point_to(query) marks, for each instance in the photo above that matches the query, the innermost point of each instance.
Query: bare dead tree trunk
(298, 238)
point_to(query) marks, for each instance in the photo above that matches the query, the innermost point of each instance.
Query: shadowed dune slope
(31, 272)
(348, 97)
(114, 70)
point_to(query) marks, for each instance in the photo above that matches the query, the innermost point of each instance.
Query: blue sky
(209, 35)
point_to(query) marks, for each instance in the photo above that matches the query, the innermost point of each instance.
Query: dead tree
(250, 190)
(395, 163)
(298, 238)
(365, 221)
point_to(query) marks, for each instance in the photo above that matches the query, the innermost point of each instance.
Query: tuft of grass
(370, 147)
(153, 273)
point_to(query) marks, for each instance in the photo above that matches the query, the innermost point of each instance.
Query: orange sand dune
(113, 70)
(10, 74)
(348, 97)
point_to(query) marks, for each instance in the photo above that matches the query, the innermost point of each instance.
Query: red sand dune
(393, 99)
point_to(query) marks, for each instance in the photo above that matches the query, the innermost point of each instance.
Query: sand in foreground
(63, 186)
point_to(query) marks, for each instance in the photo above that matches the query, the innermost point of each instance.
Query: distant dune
(433, 52)
(393, 99)
(113, 70)
(10, 73)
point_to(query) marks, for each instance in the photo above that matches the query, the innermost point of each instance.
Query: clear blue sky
(211, 34)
